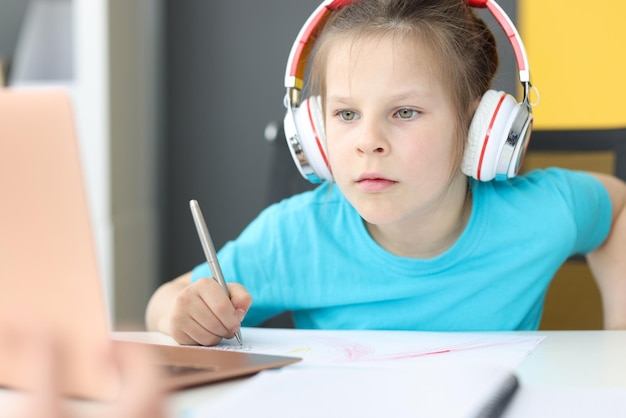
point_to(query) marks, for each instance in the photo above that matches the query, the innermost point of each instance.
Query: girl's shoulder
(554, 181)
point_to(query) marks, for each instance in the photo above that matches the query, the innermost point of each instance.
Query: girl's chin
(376, 217)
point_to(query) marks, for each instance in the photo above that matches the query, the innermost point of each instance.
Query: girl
(401, 238)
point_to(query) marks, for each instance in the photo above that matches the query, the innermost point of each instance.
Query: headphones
(499, 131)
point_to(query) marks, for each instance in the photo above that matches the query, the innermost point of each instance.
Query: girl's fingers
(204, 314)
(240, 299)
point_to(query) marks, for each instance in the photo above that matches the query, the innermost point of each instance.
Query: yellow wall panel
(577, 58)
(598, 161)
(573, 300)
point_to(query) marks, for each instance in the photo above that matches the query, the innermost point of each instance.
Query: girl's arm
(608, 262)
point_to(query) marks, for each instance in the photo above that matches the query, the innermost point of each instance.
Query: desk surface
(577, 359)
(564, 363)
(569, 373)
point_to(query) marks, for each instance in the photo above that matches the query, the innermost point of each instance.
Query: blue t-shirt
(312, 254)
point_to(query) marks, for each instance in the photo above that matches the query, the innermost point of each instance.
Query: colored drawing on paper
(300, 350)
(356, 348)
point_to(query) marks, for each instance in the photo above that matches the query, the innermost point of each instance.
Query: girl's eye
(347, 115)
(407, 113)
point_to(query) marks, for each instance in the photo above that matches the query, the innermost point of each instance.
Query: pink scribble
(349, 350)
(412, 355)
(473, 345)
(356, 352)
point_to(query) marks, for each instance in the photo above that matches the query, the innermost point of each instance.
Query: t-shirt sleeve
(590, 206)
(200, 271)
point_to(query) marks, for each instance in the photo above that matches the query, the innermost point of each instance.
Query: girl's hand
(203, 314)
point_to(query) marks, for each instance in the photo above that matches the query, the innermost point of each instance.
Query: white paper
(417, 391)
(386, 348)
(372, 373)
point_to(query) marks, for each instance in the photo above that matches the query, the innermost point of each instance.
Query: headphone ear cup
(304, 130)
(487, 135)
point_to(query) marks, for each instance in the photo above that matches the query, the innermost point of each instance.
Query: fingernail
(240, 314)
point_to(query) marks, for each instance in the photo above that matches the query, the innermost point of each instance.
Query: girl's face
(390, 130)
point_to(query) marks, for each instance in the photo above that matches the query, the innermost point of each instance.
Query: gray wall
(11, 17)
(225, 68)
(507, 78)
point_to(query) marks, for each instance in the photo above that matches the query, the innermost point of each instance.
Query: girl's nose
(372, 140)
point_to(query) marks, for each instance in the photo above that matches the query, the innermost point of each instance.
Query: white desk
(577, 359)
(568, 374)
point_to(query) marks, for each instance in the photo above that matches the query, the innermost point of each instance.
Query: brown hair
(461, 41)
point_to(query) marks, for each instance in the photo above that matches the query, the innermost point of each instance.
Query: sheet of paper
(386, 348)
(371, 373)
(415, 391)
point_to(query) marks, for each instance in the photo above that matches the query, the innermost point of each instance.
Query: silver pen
(209, 250)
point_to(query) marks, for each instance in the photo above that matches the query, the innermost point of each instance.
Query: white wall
(108, 53)
(135, 50)
(117, 61)
(91, 80)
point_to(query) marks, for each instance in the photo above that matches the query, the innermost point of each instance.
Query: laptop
(48, 262)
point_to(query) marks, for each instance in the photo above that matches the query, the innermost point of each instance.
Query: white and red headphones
(498, 134)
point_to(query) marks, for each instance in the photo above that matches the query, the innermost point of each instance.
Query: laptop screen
(48, 263)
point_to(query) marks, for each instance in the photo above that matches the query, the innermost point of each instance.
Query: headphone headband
(296, 66)
(511, 32)
(296, 63)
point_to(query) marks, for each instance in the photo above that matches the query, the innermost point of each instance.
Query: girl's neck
(431, 234)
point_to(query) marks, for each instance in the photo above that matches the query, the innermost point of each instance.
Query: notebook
(48, 261)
